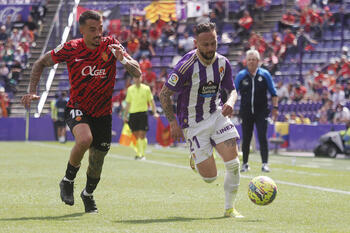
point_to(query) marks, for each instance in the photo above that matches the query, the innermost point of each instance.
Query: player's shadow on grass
(178, 219)
(62, 217)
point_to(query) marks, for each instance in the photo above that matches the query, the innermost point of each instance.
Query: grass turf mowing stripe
(187, 167)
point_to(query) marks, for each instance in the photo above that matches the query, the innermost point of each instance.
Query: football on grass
(262, 190)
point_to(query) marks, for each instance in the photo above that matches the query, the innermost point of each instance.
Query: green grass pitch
(162, 194)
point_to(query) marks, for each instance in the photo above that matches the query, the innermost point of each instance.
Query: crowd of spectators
(159, 45)
(298, 32)
(17, 37)
(299, 29)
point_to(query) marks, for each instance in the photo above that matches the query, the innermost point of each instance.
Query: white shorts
(202, 137)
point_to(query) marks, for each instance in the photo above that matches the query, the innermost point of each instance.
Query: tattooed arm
(131, 65)
(164, 97)
(37, 70)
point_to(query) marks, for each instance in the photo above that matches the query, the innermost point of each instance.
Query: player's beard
(96, 41)
(208, 56)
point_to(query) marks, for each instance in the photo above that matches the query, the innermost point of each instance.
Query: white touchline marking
(117, 156)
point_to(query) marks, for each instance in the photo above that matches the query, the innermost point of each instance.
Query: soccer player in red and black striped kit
(91, 63)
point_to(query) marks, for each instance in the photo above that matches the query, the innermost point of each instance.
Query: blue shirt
(253, 91)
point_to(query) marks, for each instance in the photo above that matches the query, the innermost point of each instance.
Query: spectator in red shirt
(154, 33)
(117, 101)
(344, 67)
(328, 18)
(124, 35)
(244, 25)
(332, 68)
(287, 21)
(290, 42)
(149, 77)
(299, 92)
(136, 30)
(145, 64)
(160, 23)
(276, 44)
(114, 28)
(133, 45)
(4, 102)
(252, 40)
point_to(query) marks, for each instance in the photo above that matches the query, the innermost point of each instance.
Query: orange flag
(126, 137)
(163, 134)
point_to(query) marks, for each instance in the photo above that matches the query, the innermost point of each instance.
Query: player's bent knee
(209, 179)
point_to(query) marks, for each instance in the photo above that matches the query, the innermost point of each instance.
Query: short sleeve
(62, 52)
(227, 81)
(176, 79)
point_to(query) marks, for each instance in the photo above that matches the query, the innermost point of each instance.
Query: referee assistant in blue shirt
(253, 83)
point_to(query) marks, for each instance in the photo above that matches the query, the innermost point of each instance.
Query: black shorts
(61, 123)
(101, 127)
(138, 121)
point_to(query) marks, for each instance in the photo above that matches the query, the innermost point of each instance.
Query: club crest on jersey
(58, 48)
(208, 90)
(173, 79)
(221, 71)
(104, 56)
(92, 71)
(260, 79)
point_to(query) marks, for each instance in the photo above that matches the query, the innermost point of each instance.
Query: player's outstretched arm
(37, 70)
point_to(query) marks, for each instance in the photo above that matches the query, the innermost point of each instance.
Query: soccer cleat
(265, 168)
(66, 188)
(192, 164)
(232, 213)
(137, 157)
(89, 203)
(245, 167)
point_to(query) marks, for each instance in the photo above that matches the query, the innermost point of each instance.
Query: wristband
(275, 107)
(124, 61)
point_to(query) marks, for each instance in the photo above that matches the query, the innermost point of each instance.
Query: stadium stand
(302, 60)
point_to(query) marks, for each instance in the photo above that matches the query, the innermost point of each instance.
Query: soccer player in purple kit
(203, 120)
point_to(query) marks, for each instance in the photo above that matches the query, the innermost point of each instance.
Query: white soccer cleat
(232, 213)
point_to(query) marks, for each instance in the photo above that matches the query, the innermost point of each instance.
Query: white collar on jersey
(203, 62)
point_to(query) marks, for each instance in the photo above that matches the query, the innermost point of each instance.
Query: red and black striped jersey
(91, 75)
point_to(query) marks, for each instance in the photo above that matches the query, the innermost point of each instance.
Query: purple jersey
(199, 87)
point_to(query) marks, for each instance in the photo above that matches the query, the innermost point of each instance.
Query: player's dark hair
(204, 27)
(89, 15)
